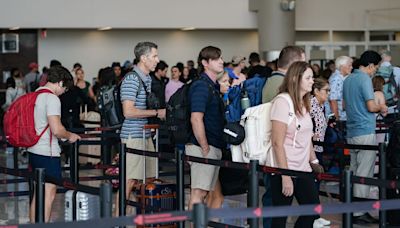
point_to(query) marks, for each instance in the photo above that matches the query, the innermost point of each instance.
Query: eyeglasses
(327, 90)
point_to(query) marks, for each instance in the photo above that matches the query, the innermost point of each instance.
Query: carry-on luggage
(157, 194)
(87, 206)
(94, 121)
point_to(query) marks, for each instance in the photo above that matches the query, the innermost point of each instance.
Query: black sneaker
(364, 219)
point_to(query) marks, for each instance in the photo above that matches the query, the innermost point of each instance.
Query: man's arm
(334, 108)
(199, 131)
(59, 131)
(373, 107)
(130, 111)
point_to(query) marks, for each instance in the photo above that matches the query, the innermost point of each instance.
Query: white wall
(156, 14)
(347, 15)
(96, 49)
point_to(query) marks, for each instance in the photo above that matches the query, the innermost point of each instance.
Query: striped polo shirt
(132, 90)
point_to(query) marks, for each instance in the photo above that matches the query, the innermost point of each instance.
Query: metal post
(180, 182)
(252, 196)
(382, 176)
(200, 215)
(122, 179)
(15, 156)
(106, 200)
(39, 195)
(74, 164)
(348, 192)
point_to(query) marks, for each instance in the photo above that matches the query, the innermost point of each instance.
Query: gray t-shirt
(46, 104)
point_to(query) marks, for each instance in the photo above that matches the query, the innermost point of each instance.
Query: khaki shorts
(203, 176)
(134, 163)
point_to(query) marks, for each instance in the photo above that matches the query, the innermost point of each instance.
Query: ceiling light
(188, 28)
(105, 28)
(14, 28)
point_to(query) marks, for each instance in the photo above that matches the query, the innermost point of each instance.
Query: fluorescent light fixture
(14, 28)
(188, 28)
(105, 28)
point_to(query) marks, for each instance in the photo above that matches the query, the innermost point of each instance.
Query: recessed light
(105, 28)
(14, 28)
(188, 28)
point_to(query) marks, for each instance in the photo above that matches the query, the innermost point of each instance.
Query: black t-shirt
(261, 70)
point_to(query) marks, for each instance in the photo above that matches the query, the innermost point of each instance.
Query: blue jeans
(267, 199)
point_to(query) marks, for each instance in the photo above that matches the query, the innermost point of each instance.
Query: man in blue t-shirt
(207, 124)
(360, 107)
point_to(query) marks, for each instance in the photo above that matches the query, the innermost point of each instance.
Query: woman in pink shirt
(291, 143)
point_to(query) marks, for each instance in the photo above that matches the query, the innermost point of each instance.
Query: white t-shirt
(47, 104)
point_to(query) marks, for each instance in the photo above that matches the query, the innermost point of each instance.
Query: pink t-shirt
(297, 156)
(171, 88)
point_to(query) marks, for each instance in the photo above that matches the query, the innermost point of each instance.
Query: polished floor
(14, 210)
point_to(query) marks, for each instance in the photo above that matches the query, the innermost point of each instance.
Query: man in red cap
(32, 78)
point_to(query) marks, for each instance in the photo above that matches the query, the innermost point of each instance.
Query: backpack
(234, 109)
(178, 113)
(257, 144)
(34, 84)
(19, 122)
(393, 148)
(110, 106)
(254, 87)
(390, 88)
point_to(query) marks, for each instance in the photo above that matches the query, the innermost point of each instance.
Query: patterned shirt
(133, 127)
(319, 121)
(336, 84)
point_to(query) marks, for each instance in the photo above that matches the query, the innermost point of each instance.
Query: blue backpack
(390, 88)
(253, 87)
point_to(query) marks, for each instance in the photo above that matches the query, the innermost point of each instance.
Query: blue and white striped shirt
(133, 127)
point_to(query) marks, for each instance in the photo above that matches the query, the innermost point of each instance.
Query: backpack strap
(292, 114)
(40, 91)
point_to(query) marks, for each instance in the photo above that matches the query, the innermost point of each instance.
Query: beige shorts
(134, 163)
(203, 176)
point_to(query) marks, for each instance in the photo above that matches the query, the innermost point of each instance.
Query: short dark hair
(77, 65)
(106, 76)
(289, 55)
(55, 62)
(161, 65)
(207, 53)
(254, 57)
(59, 73)
(10, 82)
(190, 63)
(116, 64)
(369, 57)
(143, 48)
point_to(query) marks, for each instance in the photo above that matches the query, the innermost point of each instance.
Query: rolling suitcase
(156, 194)
(87, 206)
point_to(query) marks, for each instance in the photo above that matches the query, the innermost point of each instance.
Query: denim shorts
(52, 165)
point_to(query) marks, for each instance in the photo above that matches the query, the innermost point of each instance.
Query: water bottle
(245, 102)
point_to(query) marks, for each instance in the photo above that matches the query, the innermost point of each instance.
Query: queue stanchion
(382, 176)
(39, 195)
(200, 215)
(180, 183)
(74, 163)
(122, 181)
(348, 193)
(15, 157)
(252, 196)
(106, 200)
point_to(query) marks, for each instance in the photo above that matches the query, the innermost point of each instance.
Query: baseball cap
(237, 59)
(33, 65)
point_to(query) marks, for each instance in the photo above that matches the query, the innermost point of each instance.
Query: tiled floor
(15, 209)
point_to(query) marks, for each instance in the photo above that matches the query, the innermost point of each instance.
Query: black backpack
(34, 84)
(393, 149)
(178, 114)
(110, 106)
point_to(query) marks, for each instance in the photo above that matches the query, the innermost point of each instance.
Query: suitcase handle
(149, 126)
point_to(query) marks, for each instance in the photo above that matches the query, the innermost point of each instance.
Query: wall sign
(10, 43)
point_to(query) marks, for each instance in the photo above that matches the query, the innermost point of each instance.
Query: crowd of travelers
(353, 92)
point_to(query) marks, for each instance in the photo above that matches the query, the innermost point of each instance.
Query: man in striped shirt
(133, 98)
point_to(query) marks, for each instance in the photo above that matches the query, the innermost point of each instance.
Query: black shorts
(52, 165)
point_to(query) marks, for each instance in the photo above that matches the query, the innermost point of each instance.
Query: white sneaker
(321, 222)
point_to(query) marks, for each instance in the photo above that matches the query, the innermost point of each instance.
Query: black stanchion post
(15, 157)
(180, 182)
(39, 195)
(348, 193)
(74, 163)
(200, 216)
(252, 196)
(122, 184)
(106, 200)
(382, 176)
